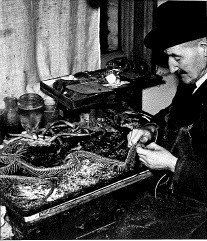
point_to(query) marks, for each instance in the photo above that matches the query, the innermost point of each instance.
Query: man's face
(187, 61)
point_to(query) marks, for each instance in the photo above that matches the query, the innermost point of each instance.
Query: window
(109, 26)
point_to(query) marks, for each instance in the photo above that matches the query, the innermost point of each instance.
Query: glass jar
(31, 109)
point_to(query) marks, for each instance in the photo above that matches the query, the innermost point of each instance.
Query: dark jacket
(183, 131)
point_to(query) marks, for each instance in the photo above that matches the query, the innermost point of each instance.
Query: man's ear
(203, 45)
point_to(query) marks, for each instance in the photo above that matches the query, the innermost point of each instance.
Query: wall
(159, 97)
(161, 2)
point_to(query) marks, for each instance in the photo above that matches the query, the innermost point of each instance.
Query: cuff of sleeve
(153, 129)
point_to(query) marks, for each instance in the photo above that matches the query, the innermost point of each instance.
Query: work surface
(82, 215)
(131, 212)
(157, 218)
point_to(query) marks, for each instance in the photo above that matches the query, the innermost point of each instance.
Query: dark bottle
(2, 129)
(11, 117)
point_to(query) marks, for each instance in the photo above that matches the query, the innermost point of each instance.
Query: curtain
(44, 39)
(127, 27)
(148, 24)
(136, 21)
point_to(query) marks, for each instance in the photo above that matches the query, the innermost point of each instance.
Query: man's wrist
(172, 164)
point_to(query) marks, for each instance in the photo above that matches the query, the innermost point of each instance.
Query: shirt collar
(200, 82)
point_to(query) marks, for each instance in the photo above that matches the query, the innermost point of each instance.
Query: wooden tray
(66, 205)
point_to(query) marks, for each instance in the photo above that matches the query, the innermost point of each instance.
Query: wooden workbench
(80, 217)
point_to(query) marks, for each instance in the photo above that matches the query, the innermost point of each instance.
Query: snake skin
(14, 162)
(11, 156)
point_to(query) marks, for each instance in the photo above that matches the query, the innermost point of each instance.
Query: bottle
(11, 117)
(50, 111)
(2, 129)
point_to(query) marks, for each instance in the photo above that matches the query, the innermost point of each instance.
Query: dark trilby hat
(177, 22)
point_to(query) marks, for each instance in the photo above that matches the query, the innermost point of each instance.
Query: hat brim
(160, 38)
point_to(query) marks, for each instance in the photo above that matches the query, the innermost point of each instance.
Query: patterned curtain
(43, 39)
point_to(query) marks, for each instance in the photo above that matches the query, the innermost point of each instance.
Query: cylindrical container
(31, 109)
(11, 117)
(2, 128)
(50, 111)
(84, 119)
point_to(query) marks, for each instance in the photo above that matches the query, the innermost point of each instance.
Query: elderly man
(180, 151)
(181, 147)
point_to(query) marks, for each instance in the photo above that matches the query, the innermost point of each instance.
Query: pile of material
(65, 160)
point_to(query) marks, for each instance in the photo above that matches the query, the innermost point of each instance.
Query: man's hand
(156, 157)
(139, 136)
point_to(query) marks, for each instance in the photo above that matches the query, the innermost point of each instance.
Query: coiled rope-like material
(73, 163)
(15, 161)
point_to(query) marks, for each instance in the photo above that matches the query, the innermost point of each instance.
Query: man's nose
(172, 65)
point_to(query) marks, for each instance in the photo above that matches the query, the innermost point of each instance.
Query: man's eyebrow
(173, 54)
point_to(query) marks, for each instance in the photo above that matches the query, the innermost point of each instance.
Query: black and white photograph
(103, 120)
